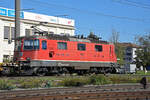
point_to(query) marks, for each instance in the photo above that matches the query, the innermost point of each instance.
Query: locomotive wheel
(41, 72)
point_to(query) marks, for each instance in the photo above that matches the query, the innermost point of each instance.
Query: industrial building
(54, 25)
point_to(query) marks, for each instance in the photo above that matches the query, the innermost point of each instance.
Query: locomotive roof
(66, 38)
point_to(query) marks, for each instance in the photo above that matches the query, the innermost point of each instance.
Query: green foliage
(99, 80)
(120, 53)
(31, 83)
(6, 85)
(119, 50)
(116, 79)
(74, 82)
(143, 58)
(143, 53)
(1, 64)
(142, 73)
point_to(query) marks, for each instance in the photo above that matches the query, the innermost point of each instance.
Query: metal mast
(17, 19)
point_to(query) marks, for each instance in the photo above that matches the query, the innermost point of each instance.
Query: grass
(99, 80)
(66, 81)
(142, 73)
(69, 82)
(6, 84)
(116, 79)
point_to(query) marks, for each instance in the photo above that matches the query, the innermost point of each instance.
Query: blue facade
(3, 12)
(10, 13)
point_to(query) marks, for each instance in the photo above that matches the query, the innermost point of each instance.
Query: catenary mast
(17, 19)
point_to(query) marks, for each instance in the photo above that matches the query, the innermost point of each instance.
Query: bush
(32, 83)
(74, 82)
(116, 79)
(6, 85)
(99, 80)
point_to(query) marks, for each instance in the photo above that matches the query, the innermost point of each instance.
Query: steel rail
(73, 91)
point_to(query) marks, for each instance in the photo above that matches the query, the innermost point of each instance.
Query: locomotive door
(111, 53)
(44, 49)
(50, 49)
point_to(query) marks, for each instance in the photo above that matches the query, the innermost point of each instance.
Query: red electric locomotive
(42, 54)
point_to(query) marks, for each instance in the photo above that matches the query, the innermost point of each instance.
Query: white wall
(22, 29)
(8, 49)
(1, 40)
(50, 19)
(134, 52)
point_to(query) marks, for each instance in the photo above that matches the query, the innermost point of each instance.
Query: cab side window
(62, 45)
(36, 44)
(44, 45)
(81, 47)
(98, 48)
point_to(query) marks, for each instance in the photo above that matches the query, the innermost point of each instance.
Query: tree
(143, 53)
(118, 48)
(114, 37)
(120, 53)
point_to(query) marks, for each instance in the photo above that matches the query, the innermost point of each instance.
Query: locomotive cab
(26, 50)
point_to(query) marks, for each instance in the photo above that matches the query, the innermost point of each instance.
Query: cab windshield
(31, 44)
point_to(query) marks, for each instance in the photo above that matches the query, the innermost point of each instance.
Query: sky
(130, 18)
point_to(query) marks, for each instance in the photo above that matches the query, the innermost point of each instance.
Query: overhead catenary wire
(132, 3)
(139, 3)
(91, 12)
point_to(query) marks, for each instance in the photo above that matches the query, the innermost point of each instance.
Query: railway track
(106, 92)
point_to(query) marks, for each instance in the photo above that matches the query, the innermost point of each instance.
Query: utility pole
(17, 19)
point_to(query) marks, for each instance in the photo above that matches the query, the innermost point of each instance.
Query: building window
(44, 45)
(129, 54)
(81, 47)
(9, 32)
(62, 45)
(29, 32)
(99, 48)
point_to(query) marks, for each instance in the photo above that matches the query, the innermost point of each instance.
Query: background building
(54, 25)
(129, 57)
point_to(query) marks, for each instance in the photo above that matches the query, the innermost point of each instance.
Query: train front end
(26, 50)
